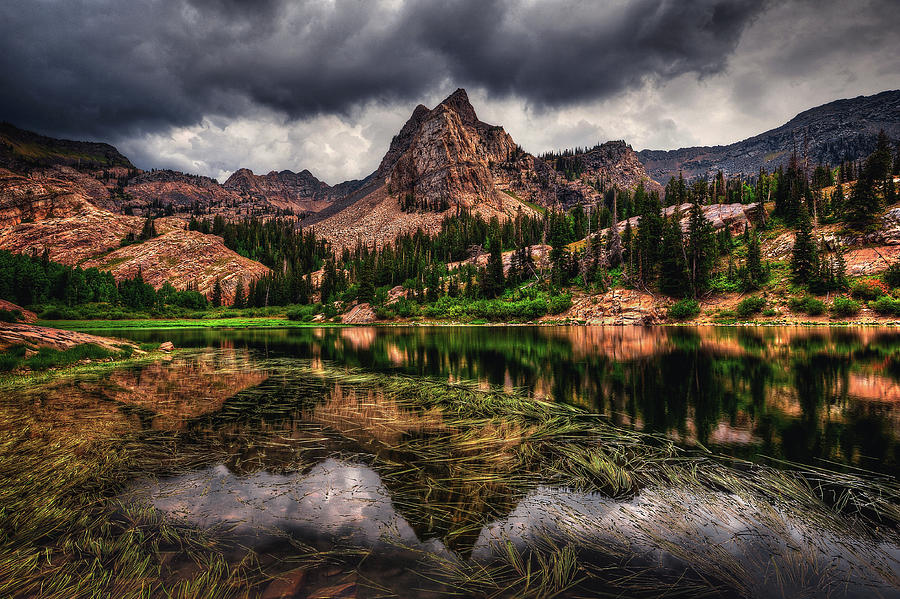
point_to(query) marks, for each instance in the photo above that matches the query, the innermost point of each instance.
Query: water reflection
(806, 395)
(757, 550)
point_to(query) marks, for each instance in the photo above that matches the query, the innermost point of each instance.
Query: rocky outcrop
(26, 316)
(183, 258)
(734, 217)
(616, 307)
(828, 134)
(449, 158)
(16, 333)
(359, 314)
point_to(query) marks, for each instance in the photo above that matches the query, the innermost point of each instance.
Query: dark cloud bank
(104, 67)
(658, 72)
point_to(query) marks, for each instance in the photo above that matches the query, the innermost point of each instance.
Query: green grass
(46, 357)
(179, 323)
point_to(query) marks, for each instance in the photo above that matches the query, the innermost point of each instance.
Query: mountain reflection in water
(675, 533)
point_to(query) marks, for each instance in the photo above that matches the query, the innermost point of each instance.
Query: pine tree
(673, 275)
(366, 291)
(493, 281)
(753, 273)
(614, 242)
(701, 248)
(217, 294)
(804, 256)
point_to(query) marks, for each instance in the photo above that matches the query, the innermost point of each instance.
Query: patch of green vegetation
(526, 307)
(844, 306)
(887, 306)
(750, 306)
(532, 205)
(684, 309)
(45, 357)
(807, 305)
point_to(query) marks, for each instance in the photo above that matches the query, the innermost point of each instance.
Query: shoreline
(281, 323)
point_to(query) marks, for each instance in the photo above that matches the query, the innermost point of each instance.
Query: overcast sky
(209, 86)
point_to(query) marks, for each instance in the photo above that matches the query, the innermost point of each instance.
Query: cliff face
(56, 210)
(831, 133)
(450, 156)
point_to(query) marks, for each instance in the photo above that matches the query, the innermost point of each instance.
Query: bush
(303, 313)
(684, 309)
(887, 306)
(892, 275)
(559, 304)
(12, 358)
(808, 305)
(844, 306)
(750, 305)
(868, 289)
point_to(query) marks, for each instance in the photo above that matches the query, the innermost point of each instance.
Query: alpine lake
(475, 461)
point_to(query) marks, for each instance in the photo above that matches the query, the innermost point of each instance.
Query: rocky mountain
(20, 150)
(299, 193)
(445, 158)
(60, 210)
(827, 134)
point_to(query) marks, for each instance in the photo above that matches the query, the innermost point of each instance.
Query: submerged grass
(455, 457)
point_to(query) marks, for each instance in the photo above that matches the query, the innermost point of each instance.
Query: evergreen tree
(492, 282)
(804, 256)
(217, 294)
(674, 279)
(239, 295)
(366, 291)
(148, 231)
(701, 248)
(753, 273)
(614, 242)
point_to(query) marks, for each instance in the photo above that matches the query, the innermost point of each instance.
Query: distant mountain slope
(840, 130)
(20, 149)
(286, 190)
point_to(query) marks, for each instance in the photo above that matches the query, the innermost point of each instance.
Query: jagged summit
(459, 102)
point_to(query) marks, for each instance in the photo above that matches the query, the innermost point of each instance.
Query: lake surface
(321, 452)
(814, 396)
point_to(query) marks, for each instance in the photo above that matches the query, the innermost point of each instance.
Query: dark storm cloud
(110, 68)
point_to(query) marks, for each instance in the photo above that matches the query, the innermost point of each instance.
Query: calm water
(342, 488)
(821, 397)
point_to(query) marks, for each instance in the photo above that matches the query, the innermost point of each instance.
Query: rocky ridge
(828, 134)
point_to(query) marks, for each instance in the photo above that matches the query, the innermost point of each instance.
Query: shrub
(12, 358)
(750, 305)
(684, 309)
(892, 275)
(844, 306)
(10, 315)
(559, 304)
(887, 306)
(808, 305)
(868, 289)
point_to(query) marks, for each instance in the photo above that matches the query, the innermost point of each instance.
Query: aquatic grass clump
(64, 535)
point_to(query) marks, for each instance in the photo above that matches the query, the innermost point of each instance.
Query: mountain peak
(459, 102)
